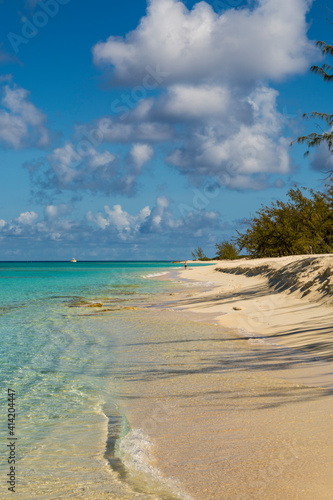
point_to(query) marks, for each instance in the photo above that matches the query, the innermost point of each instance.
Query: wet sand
(234, 414)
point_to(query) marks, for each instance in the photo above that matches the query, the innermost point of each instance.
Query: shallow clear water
(127, 401)
(66, 362)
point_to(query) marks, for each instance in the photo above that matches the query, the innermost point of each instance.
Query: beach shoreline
(251, 414)
(288, 300)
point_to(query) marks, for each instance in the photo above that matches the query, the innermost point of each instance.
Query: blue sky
(138, 130)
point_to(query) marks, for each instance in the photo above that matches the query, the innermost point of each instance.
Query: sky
(141, 130)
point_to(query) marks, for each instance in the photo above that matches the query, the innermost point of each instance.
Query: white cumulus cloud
(27, 218)
(213, 73)
(118, 219)
(53, 212)
(182, 45)
(233, 150)
(22, 125)
(141, 154)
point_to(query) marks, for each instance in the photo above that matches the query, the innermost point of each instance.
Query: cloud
(239, 149)
(199, 45)
(22, 125)
(61, 161)
(202, 97)
(226, 133)
(71, 164)
(27, 218)
(31, 227)
(118, 220)
(238, 138)
(24, 223)
(126, 129)
(100, 159)
(73, 168)
(212, 73)
(158, 220)
(150, 232)
(5, 57)
(321, 159)
(195, 102)
(141, 154)
(53, 212)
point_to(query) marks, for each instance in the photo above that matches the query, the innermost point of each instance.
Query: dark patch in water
(78, 302)
(114, 430)
(7, 309)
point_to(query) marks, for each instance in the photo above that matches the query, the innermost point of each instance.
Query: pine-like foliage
(315, 139)
(198, 254)
(299, 226)
(226, 250)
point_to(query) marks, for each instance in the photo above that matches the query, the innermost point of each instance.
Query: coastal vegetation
(301, 225)
(226, 250)
(198, 254)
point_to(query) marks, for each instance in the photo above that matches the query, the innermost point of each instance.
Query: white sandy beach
(257, 425)
(287, 299)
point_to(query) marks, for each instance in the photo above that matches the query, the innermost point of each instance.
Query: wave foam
(155, 275)
(135, 451)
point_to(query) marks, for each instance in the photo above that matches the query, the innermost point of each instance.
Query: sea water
(68, 334)
(116, 396)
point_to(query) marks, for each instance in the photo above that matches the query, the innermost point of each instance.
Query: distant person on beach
(185, 265)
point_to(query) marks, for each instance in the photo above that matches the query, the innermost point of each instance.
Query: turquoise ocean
(69, 349)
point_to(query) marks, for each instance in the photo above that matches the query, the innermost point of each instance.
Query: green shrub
(226, 250)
